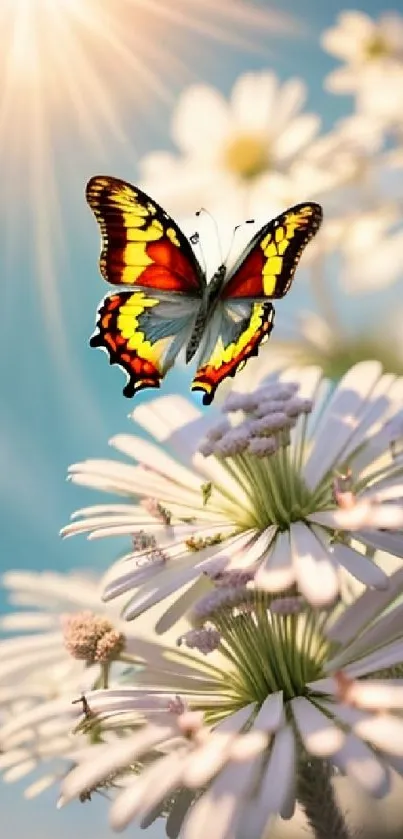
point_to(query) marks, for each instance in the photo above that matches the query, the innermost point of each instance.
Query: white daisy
(230, 150)
(35, 644)
(37, 738)
(314, 339)
(381, 99)
(291, 696)
(361, 172)
(61, 643)
(368, 246)
(366, 45)
(295, 486)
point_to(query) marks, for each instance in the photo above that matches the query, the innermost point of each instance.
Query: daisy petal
(319, 734)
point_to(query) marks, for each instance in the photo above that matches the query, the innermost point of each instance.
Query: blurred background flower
(231, 106)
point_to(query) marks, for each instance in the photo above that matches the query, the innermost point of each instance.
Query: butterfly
(163, 302)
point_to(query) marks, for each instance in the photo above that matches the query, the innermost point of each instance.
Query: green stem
(105, 668)
(316, 795)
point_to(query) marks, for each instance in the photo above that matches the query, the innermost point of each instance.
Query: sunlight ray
(70, 69)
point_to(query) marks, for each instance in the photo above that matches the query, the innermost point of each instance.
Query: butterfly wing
(267, 267)
(244, 316)
(143, 335)
(141, 244)
(143, 249)
(242, 329)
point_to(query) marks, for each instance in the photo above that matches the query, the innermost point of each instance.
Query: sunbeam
(73, 68)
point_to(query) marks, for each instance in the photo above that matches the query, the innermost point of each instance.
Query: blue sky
(60, 401)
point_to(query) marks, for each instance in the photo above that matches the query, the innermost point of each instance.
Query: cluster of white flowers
(259, 152)
(284, 663)
(254, 533)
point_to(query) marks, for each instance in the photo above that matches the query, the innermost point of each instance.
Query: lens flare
(75, 68)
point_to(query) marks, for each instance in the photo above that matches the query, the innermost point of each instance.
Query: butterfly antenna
(194, 239)
(217, 232)
(248, 221)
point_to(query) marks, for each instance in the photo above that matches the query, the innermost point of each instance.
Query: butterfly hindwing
(241, 335)
(142, 334)
(268, 266)
(141, 244)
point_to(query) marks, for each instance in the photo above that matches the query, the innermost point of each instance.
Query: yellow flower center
(376, 47)
(247, 155)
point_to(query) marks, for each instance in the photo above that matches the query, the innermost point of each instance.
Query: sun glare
(75, 68)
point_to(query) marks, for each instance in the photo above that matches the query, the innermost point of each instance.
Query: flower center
(257, 449)
(91, 638)
(376, 47)
(268, 648)
(247, 155)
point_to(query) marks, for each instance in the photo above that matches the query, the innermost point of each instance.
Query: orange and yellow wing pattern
(267, 268)
(142, 329)
(265, 271)
(238, 342)
(141, 244)
(142, 344)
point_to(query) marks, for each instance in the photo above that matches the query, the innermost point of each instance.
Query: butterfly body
(163, 303)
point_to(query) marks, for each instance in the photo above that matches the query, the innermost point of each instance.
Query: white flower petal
(42, 784)
(383, 731)
(296, 136)
(389, 655)
(236, 721)
(271, 715)
(149, 596)
(277, 782)
(293, 95)
(106, 759)
(220, 805)
(147, 790)
(316, 576)
(276, 572)
(165, 417)
(253, 98)
(201, 121)
(360, 566)
(375, 639)
(341, 419)
(319, 734)
(363, 610)
(360, 763)
(181, 606)
(210, 759)
(382, 540)
(20, 771)
(376, 695)
(360, 516)
(155, 458)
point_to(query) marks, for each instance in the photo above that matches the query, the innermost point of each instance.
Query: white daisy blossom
(36, 641)
(37, 739)
(367, 47)
(231, 148)
(60, 643)
(302, 482)
(290, 688)
(370, 246)
(382, 101)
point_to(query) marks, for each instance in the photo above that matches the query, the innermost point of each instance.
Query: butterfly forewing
(141, 244)
(268, 265)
